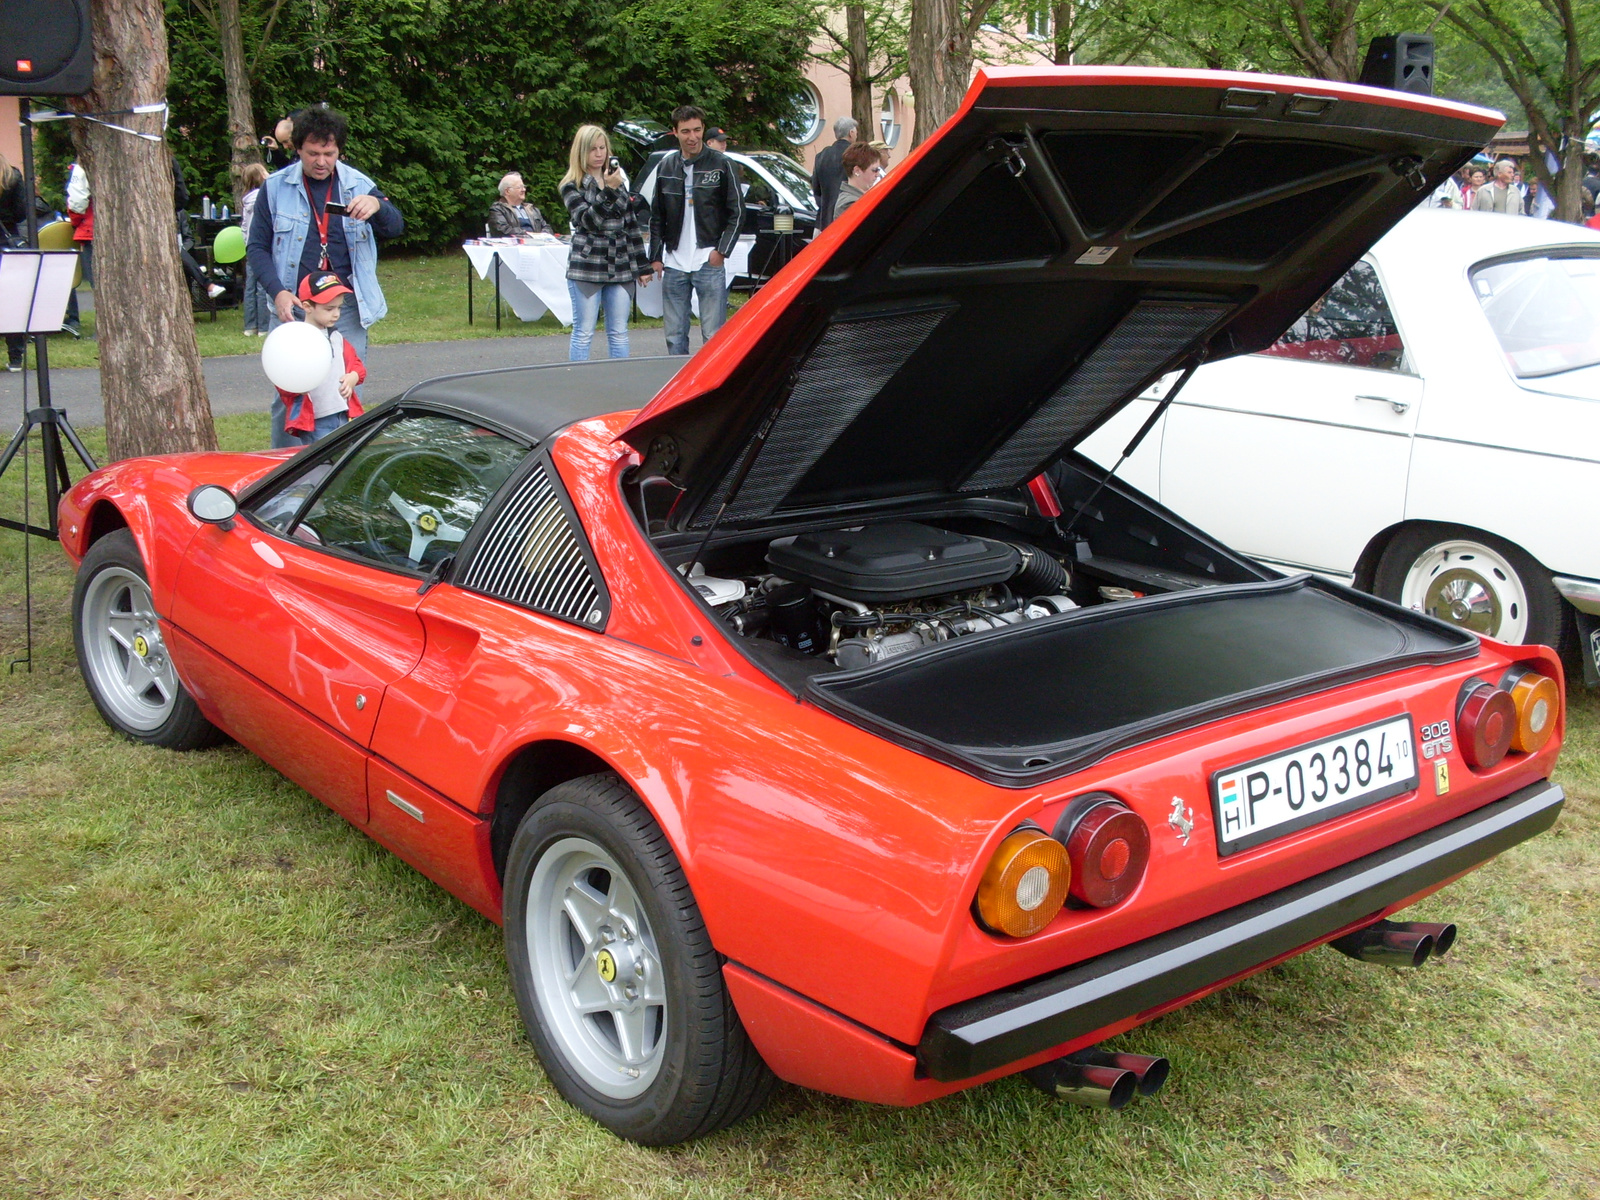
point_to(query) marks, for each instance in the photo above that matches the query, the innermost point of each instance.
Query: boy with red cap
(316, 413)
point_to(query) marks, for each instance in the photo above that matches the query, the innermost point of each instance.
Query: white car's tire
(618, 984)
(1473, 580)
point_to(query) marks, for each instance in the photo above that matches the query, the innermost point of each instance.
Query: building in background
(11, 131)
(827, 94)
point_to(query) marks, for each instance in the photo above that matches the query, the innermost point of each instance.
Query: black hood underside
(1054, 250)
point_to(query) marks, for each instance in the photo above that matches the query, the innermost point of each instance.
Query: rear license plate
(1270, 797)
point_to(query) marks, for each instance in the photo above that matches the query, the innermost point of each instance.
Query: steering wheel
(427, 527)
(425, 522)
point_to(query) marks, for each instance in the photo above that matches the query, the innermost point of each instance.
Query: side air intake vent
(534, 556)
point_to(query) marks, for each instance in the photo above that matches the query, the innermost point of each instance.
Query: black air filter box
(898, 560)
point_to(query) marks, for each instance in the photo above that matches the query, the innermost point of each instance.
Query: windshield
(789, 176)
(1544, 311)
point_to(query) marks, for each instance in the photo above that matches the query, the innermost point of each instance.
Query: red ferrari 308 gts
(828, 718)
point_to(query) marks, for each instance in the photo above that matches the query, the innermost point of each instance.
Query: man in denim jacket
(293, 234)
(694, 225)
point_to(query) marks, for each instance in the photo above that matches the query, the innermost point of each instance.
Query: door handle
(1399, 406)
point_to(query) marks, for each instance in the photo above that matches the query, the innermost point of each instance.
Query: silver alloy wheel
(596, 970)
(125, 655)
(1468, 584)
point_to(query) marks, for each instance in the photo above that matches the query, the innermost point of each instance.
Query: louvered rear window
(534, 554)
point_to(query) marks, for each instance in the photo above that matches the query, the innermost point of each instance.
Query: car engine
(863, 595)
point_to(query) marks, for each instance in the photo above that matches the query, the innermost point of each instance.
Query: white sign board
(34, 288)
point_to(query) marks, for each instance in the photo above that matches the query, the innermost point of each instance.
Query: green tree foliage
(445, 96)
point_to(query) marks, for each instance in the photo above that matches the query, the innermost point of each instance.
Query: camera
(336, 208)
(613, 163)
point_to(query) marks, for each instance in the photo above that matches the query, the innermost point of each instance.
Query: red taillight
(1108, 845)
(1486, 719)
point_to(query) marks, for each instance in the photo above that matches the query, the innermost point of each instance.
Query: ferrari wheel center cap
(140, 646)
(606, 963)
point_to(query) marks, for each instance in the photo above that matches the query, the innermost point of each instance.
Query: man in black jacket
(827, 173)
(694, 224)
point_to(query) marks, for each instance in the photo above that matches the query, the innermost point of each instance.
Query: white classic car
(1429, 430)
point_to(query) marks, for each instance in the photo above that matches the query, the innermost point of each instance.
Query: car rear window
(1545, 311)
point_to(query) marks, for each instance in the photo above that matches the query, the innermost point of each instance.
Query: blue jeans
(257, 304)
(618, 303)
(711, 285)
(349, 325)
(323, 427)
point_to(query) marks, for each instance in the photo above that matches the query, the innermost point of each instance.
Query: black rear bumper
(991, 1031)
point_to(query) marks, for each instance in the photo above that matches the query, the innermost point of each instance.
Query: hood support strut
(1150, 422)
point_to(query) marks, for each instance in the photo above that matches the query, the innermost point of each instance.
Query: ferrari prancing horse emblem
(1181, 820)
(428, 523)
(607, 965)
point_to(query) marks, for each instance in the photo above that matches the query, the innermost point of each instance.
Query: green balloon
(229, 246)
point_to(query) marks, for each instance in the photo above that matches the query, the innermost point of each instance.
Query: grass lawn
(427, 303)
(211, 986)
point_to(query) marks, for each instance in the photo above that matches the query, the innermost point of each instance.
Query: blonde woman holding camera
(608, 252)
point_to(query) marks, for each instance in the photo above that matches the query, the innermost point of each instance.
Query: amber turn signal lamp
(1486, 718)
(1537, 700)
(1025, 884)
(1109, 848)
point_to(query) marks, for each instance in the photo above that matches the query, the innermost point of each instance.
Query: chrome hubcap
(596, 968)
(125, 655)
(1469, 585)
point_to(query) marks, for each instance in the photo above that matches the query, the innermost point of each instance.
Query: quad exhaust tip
(1397, 944)
(1098, 1078)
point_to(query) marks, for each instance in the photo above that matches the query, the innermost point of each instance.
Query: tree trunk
(859, 56)
(1569, 187)
(1063, 17)
(241, 117)
(150, 378)
(938, 67)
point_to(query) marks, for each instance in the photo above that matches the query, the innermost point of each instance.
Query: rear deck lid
(1066, 238)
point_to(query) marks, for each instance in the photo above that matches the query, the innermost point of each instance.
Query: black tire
(113, 565)
(1548, 619)
(708, 1074)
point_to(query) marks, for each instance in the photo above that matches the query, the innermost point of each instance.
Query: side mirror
(212, 504)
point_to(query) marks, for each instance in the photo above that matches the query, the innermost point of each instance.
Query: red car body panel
(798, 831)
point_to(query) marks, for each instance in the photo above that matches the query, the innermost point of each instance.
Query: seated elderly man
(511, 216)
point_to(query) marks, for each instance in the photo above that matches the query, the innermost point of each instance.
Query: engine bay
(864, 594)
(809, 597)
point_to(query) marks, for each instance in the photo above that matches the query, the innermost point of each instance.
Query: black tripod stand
(51, 422)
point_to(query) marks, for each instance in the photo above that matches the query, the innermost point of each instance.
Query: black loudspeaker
(45, 48)
(1402, 61)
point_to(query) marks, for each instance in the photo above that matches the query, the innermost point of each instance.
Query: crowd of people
(1503, 188)
(619, 241)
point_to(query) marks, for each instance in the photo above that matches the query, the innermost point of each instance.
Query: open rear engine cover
(897, 560)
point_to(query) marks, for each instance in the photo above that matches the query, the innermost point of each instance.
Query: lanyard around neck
(321, 218)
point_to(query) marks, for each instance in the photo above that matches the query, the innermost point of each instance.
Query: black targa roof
(537, 401)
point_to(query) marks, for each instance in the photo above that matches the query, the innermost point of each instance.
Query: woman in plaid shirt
(608, 251)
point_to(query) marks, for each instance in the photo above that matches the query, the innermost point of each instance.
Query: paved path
(236, 384)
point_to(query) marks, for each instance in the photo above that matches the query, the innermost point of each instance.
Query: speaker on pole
(45, 49)
(1402, 61)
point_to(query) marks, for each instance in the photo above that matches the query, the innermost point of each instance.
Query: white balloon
(296, 357)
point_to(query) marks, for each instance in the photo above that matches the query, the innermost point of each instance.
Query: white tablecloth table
(533, 279)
